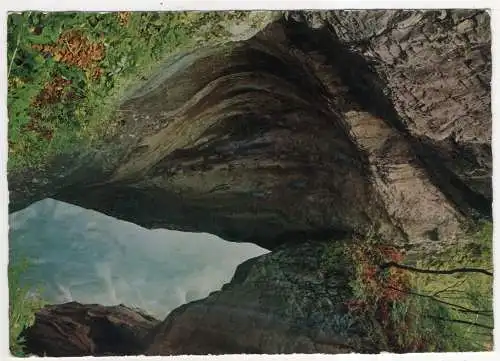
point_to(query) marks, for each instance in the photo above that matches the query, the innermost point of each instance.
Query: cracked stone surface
(322, 125)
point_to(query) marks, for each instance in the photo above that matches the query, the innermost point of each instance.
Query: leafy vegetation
(465, 297)
(67, 71)
(23, 305)
(422, 309)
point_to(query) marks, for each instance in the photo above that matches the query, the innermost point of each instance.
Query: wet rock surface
(433, 68)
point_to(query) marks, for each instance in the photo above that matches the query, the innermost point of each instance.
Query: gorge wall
(315, 127)
(322, 126)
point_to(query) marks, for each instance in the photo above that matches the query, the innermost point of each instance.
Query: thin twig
(447, 289)
(461, 321)
(446, 272)
(455, 306)
(14, 55)
(15, 51)
(69, 47)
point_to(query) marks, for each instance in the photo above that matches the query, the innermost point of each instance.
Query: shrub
(410, 310)
(23, 305)
(459, 305)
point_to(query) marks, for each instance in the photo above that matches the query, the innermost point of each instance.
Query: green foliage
(378, 296)
(22, 307)
(410, 311)
(333, 257)
(132, 48)
(461, 297)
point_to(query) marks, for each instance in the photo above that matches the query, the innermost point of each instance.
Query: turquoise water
(81, 255)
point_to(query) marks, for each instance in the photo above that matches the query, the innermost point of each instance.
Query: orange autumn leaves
(58, 89)
(392, 285)
(53, 92)
(123, 17)
(73, 48)
(382, 289)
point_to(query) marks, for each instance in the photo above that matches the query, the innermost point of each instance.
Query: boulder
(289, 301)
(74, 329)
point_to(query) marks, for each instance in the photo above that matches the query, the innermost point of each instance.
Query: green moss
(132, 50)
(334, 257)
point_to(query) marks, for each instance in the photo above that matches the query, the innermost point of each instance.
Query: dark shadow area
(146, 207)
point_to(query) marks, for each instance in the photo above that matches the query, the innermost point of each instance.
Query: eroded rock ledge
(293, 300)
(322, 125)
(312, 297)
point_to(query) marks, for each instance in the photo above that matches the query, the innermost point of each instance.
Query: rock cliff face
(313, 127)
(434, 68)
(323, 125)
(288, 301)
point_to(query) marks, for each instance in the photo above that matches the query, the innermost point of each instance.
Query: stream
(76, 254)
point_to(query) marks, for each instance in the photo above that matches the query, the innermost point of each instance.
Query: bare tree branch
(455, 306)
(447, 289)
(451, 271)
(461, 321)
